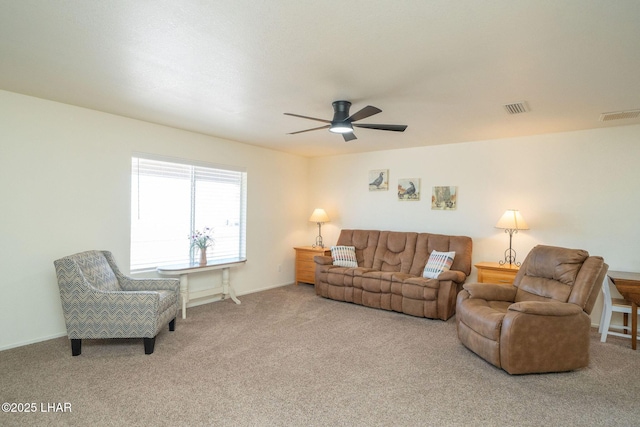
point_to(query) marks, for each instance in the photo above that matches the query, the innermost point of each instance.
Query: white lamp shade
(512, 220)
(319, 215)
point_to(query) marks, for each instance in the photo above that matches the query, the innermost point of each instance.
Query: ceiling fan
(343, 122)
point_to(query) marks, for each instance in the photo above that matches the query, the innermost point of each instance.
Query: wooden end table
(628, 284)
(305, 266)
(493, 272)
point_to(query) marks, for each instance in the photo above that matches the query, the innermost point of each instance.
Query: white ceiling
(232, 68)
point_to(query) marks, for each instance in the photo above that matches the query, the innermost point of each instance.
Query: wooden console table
(183, 270)
(628, 284)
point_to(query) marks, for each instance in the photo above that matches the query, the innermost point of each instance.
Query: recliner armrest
(490, 291)
(546, 308)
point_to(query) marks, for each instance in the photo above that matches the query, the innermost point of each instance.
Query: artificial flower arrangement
(202, 239)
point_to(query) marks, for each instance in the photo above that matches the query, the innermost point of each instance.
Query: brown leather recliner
(540, 323)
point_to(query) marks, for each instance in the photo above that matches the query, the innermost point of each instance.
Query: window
(171, 199)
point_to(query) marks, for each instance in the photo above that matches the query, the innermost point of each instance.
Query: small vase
(203, 257)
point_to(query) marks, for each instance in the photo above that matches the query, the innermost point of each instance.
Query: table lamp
(511, 221)
(319, 216)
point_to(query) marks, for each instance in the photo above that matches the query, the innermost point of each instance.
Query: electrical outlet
(279, 268)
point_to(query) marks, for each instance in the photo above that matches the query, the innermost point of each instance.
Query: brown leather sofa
(540, 323)
(389, 272)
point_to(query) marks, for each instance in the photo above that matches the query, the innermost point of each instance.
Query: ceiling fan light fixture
(341, 127)
(342, 122)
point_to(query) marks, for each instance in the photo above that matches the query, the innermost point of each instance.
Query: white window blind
(171, 199)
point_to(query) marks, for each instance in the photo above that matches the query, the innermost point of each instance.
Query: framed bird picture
(444, 198)
(409, 189)
(379, 180)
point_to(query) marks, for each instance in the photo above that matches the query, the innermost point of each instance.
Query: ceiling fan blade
(309, 130)
(367, 111)
(307, 117)
(395, 128)
(349, 136)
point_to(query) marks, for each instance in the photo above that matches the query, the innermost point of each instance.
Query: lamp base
(319, 243)
(509, 258)
(510, 254)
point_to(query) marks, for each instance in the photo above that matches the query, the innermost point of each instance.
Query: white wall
(64, 188)
(578, 189)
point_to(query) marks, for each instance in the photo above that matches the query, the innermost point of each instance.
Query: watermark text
(24, 407)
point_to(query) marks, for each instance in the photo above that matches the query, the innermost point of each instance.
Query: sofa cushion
(438, 262)
(336, 276)
(427, 243)
(419, 291)
(423, 281)
(365, 242)
(344, 256)
(377, 281)
(395, 251)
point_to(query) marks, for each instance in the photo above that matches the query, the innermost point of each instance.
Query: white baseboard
(202, 301)
(33, 341)
(266, 288)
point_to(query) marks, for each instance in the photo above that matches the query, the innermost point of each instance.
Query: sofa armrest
(323, 260)
(130, 284)
(491, 291)
(453, 275)
(539, 336)
(546, 308)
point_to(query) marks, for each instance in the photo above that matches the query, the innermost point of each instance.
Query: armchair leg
(172, 325)
(76, 346)
(149, 343)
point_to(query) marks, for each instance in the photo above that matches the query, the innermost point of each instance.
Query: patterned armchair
(99, 301)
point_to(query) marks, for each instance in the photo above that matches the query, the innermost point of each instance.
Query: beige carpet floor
(286, 357)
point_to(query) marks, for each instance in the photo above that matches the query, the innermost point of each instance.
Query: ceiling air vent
(517, 107)
(619, 115)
